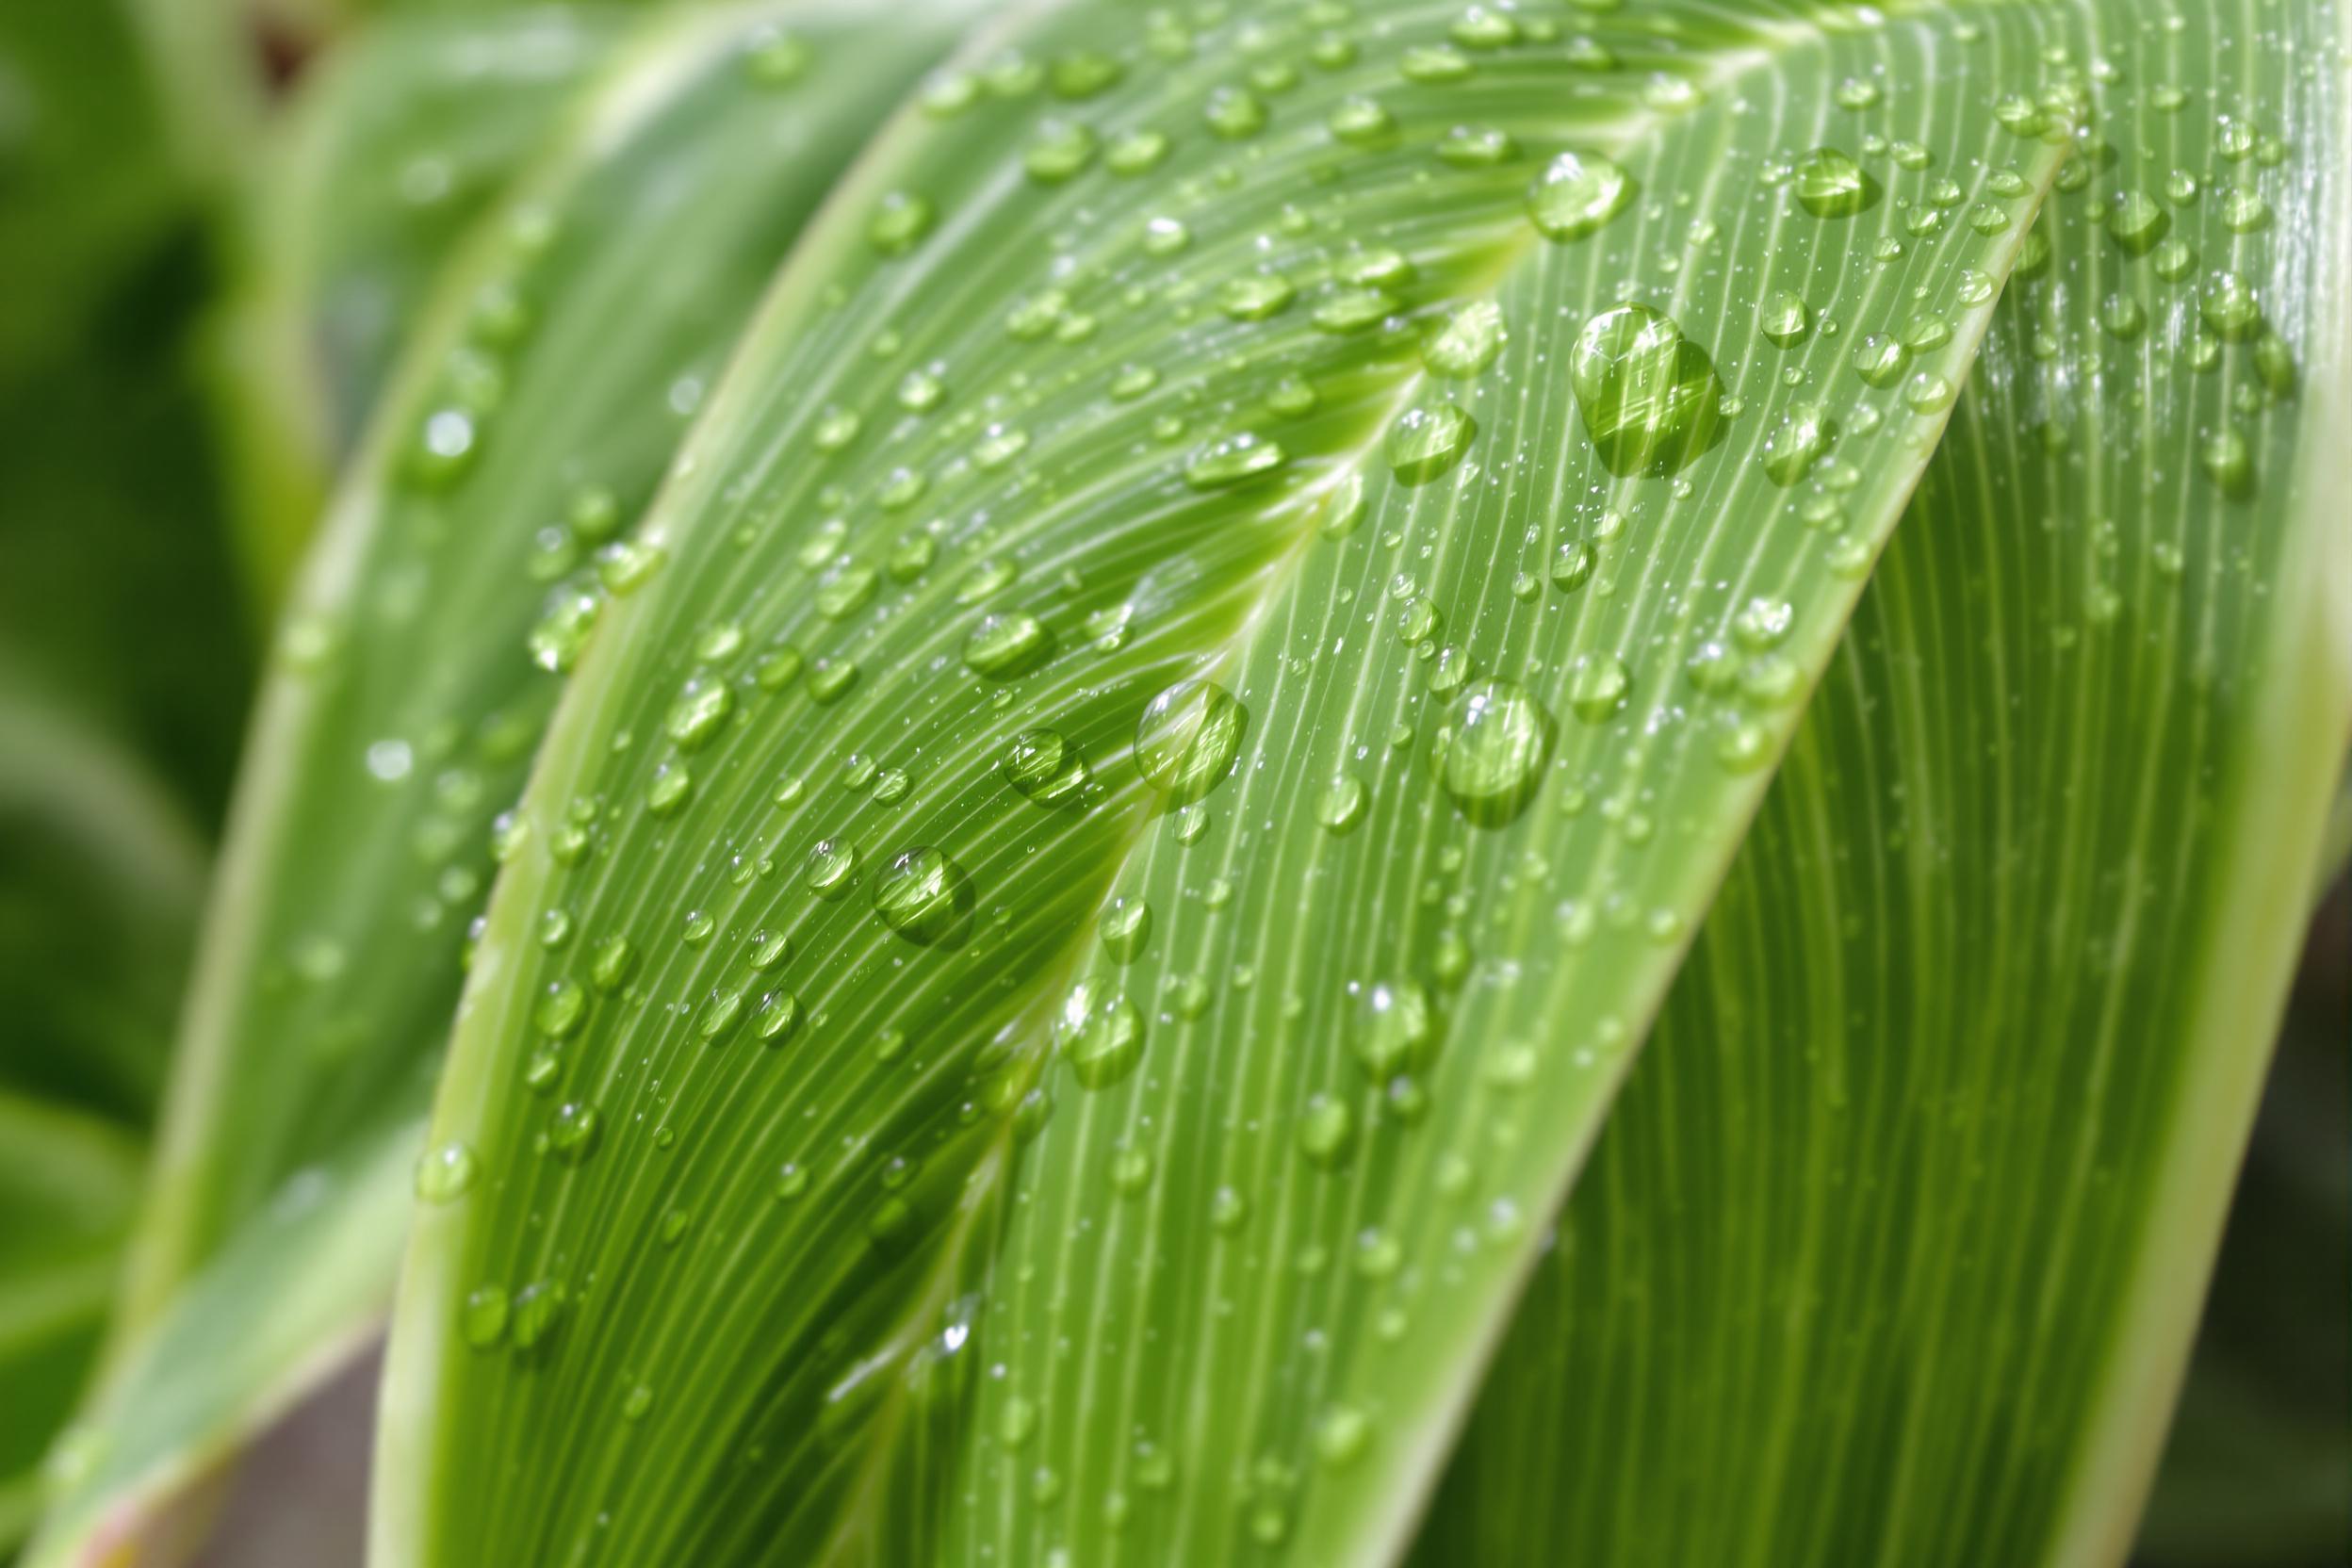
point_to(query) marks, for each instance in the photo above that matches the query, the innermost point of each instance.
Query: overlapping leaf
(405, 135)
(1893, 1250)
(1199, 675)
(550, 379)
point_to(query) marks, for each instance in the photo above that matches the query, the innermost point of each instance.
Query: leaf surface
(1893, 1252)
(937, 1148)
(393, 147)
(408, 688)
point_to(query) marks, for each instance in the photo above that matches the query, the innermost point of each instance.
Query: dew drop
(1577, 195)
(1493, 755)
(1188, 738)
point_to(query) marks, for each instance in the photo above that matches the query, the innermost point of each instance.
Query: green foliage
(1320, 782)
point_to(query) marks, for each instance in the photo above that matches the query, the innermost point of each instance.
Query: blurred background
(158, 477)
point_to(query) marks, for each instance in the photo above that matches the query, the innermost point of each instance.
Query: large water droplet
(1467, 342)
(1100, 1035)
(1577, 195)
(1041, 766)
(1797, 442)
(924, 897)
(1232, 460)
(1424, 442)
(1004, 646)
(1125, 927)
(1494, 753)
(1598, 686)
(1396, 1030)
(1830, 185)
(1188, 738)
(1648, 395)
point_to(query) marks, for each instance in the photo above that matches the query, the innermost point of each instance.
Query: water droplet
(1881, 359)
(1784, 318)
(2137, 222)
(1649, 397)
(1255, 296)
(2227, 461)
(1341, 1434)
(1424, 442)
(573, 1136)
(899, 221)
(1006, 646)
(1327, 1131)
(776, 1018)
(1598, 686)
(832, 867)
(1831, 185)
(1577, 195)
(1927, 393)
(1573, 565)
(924, 897)
(1125, 929)
(1468, 343)
(1041, 766)
(484, 1318)
(1100, 1035)
(1234, 113)
(1395, 1031)
(2242, 210)
(699, 713)
(2228, 305)
(1232, 461)
(446, 1172)
(1494, 754)
(1188, 738)
(1793, 446)
(1341, 806)
(561, 1011)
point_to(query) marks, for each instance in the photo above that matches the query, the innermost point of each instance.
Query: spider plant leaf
(1191, 689)
(1893, 1250)
(393, 148)
(407, 692)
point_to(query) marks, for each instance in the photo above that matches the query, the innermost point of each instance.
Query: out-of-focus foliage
(123, 673)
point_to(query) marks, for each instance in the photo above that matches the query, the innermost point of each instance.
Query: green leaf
(113, 113)
(69, 1182)
(873, 1178)
(405, 700)
(122, 670)
(1893, 1252)
(395, 145)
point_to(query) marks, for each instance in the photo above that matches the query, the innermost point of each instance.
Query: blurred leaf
(397, 142)
(571, 336)
(87, 178)
(68, 1182)
(122, 674)
(765, 1188)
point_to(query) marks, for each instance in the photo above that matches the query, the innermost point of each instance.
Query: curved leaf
(1893, 1252)
(869, 1177)
(399, 142)
(574, 332)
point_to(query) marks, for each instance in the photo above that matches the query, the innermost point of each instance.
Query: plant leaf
(1046, 420)
(398, 143)
(405, 701)
(1893, 1252)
